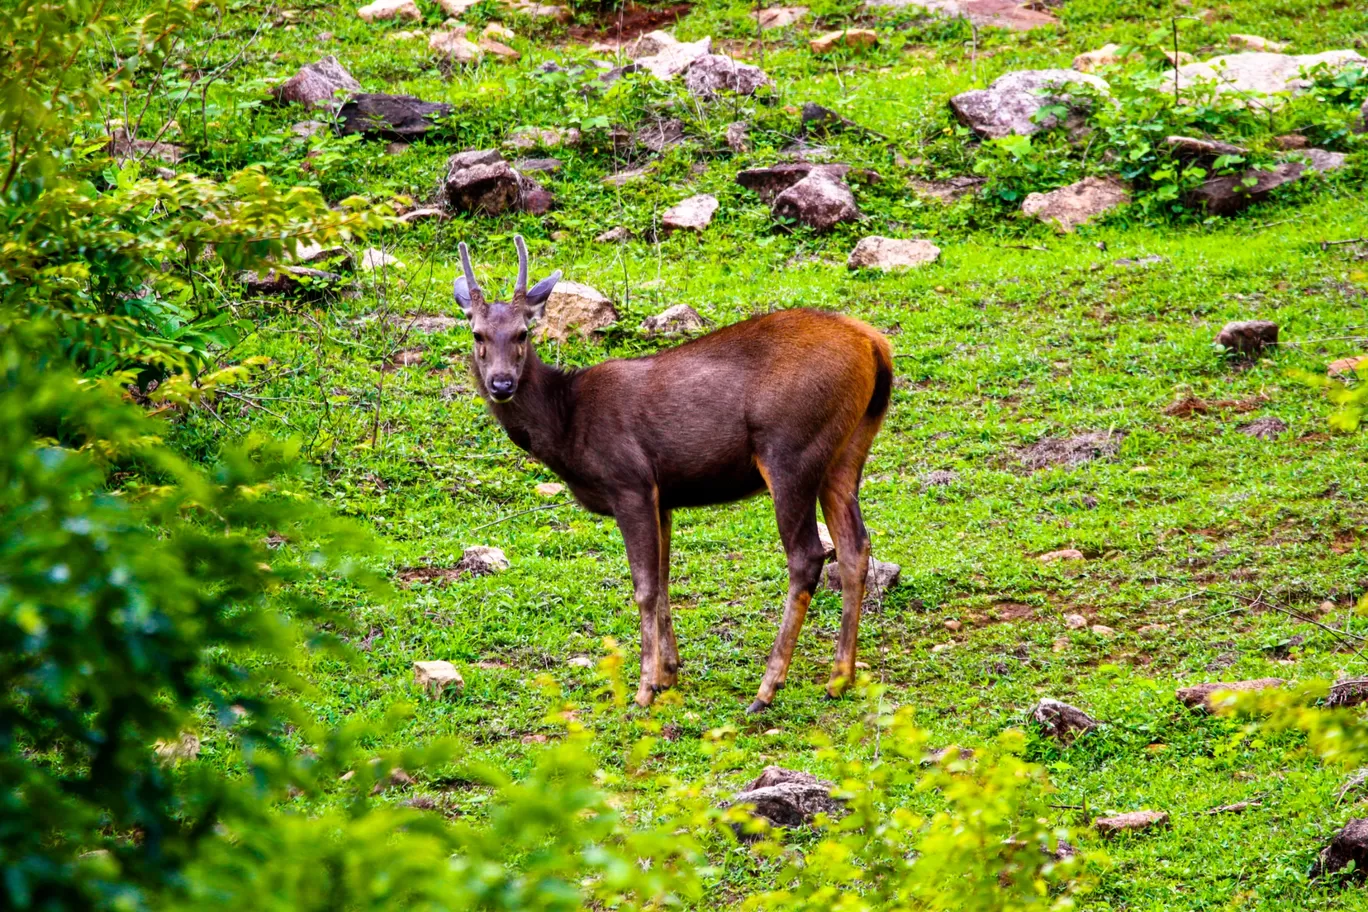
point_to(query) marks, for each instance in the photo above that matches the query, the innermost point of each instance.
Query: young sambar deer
(789, 401)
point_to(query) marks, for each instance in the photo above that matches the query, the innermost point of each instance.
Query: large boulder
(712, 74)
(390, 116)
(578, 308)
(381, 10)
(1350, 844)
(1228, 194)
(692, 214)
(672, 59)
(1260, 74)
(1078, 203)
(821, 201)
(1009, 105)
(883, 253)
(789, 798)
(316, 84)
(771, 181)
(481, 181)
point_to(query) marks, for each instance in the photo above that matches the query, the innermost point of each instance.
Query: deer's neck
(538, 417)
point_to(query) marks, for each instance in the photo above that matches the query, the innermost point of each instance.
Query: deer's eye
(522, 337)
(479, 338)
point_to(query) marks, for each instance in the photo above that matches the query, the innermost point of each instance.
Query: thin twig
(1357, 240)
(563, 503)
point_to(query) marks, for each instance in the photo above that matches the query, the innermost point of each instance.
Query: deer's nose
(502, 387)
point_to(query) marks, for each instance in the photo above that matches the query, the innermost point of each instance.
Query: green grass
(998, 345)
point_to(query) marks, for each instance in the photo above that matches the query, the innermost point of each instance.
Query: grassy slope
(998, 346)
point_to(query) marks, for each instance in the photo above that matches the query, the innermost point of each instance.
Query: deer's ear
(461, 290)
(539, 294)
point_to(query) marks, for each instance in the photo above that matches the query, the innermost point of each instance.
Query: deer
(788, 402)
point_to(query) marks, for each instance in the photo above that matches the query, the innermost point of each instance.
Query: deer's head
(501, 328)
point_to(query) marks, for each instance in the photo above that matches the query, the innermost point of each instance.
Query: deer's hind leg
(840, 496)
(794, 489)
(668, 675)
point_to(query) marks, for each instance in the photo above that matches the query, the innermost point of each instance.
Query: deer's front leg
(638, 517)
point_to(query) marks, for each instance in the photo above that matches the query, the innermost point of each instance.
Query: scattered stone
(316, 84)
(498, 49)
(1178, 58)
(1248, 338)
(828, 543)
(948, 191)
(297, 281)
(481, 181)
(1238, 807)
(953, 625)
(1061, 721)
(396, 148)
(1072, 451)
(1103, 630)
(942, 647)
(1349, 692)
(580, 662)
(482, 560)
(390, 116)
(951, 754)
(769, 182)
(382, 10)
(614, 235)
(736, 137)
(855, 39)
(423, 214)
(1199, 696)
(1134, 822)
(692, 214)
(1152, 629)
(533, 198)
(651, 44)
(1190, 148)
(312, 254)
(549, 489)
(498, 32)
(1005, 14)
(621, 178)
(426, 323)
(1077, 204)
(307, 128)
(1346, 367)
(1255, 43)
(1067, 554)
(573, 306)
(524, 139)
(939, 478)
(673, 57)
(535, 10)
(1075, 621)
(881, 576)
(820, 119)
(819, 201)
(1264, 428)
(1262, 73)
(1355, 784)
(186, 747)
(537, 165)
(1009, 105)
(781, 16)
(456, 8)
(712, 74)
(373, 259)
(1322, 160)
(1147, 260)
(1229, 194)
(455, 46)
(882, 253)
(124, 148)
(788, 798)
(406, 35)
(1350, 844)
(436, 677)
(1107, 55)
(681, 319)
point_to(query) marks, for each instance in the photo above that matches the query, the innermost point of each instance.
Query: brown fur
(789, 401)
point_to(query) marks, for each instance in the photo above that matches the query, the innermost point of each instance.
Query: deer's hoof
(645, 696)
(836, 689)
(757, 707)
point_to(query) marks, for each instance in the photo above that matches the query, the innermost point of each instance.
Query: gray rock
(575, 308)
(948, 191)
(482, 560)
(481, 181)
(1264, 428)
(424, 213)
(712, 74)
(939, 478)
(1009, 105)
(1199, 696)
(780, 16)
(316, 84)
(820, 201)
(1077, 204)
(736, 137)
(306, 128)
(875, 252)
(124, 148)
(1350, 844)
(1262, 74)
(788, 798)
(678, 320)
(881, 576)
(1005, 14)
(524, 139)
(533, 198)
(1191, 148)
(390, 116)
(819, 119)
(673, 59)
(1061, 721)
(769, 182)
(1134, 822)
(537, 165)
(614, 235)
(295, 281)
(1322, 160)
(1248, 337)
(658, 135)
(692, 214)
(1229, 194)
